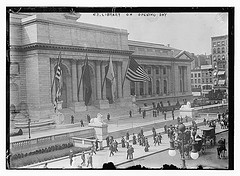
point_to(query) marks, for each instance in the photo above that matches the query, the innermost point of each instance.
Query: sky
(191, 32)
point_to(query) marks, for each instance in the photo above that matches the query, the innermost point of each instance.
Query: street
(209, 160)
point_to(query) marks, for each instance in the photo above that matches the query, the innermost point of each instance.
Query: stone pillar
(52, 77)
(154, 80)
(188, 78)
(169, 79)
(74, 81)
(119, 79)
(103, 76)
(81, 86)
(102, 103)
(98, 80)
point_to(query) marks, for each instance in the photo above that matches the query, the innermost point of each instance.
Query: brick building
(37, 39)
(220, 61)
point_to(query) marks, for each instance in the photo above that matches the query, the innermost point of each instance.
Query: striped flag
(58, 75)
(136, 73)
(111, 77)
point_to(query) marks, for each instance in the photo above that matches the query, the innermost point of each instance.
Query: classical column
(154, 80)
(103, 76)
(74, 81)
(119, 79)
(169, 79)
(81, 86)
(98, 80)
(52, 77)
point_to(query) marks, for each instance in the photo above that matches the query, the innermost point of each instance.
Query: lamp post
(29, 127)
(194, 153)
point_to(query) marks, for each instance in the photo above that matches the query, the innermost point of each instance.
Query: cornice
(159, 58)
(46, 46)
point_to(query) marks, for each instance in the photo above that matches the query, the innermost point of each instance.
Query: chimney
(168, 45)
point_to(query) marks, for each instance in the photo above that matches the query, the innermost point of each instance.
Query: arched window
(218, 50)
(141, 88)
(219, 58)
(214, 50)
(165, 87)
(223, 49)
(132, 88)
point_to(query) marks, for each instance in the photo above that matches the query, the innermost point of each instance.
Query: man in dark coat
(107, 140)
(108, 117)
(71, 157)
(127, 136)
(111, 150)
(159, 138)
(134, 139)
(130, 113)
(83, 158)
(72, 119)
(123, 142)
(81, 121)
(96, 144)
(88, 118)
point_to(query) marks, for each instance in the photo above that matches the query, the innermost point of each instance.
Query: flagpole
(82, 76)
(125, 73)
(105, 78)
(53, 81)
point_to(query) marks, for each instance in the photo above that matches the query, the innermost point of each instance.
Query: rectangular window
(206, 80)
(202, 74)
(191, 75)
(223, 43)
(218, 43)
(199, 81)
(157, 71)
(199, 75)
(214, 44)
(164, 70)
(195, 74)
(210, 80)
(195, 81)
(192, 81)
(202, 80)
(206, 73)
(149, 71)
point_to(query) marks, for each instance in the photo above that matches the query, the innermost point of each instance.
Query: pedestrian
(131, 152)
(96, 144)
(127, 136)
(181, 119)
(108, 117)
(143, 114)
(204, 121)
(88, 118)
(72, 119)
(146, 149)
(141, 131)
(45, 166)
(127, 144)
(138, 137)
(107, 140)
(83, 158)
(165, 128)
(139, 110)
(155, 141)
(71, 157)
(111, 150)
(165, 115)
(159, 138)
(115, 145)
(130, 113)
(173, 113)
(81, 122)
(123, 142)
(134, 139)
(154, 134)
(93, 149)
(89, 160)
(128, 152)
(186, 118)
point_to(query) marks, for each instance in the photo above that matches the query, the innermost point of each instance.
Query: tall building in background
(220, 61)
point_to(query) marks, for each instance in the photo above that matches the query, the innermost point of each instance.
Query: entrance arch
(65, 81)
(92, 80)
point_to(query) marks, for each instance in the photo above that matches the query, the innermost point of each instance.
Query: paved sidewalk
(102, 156)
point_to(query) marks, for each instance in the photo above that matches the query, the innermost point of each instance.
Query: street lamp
(194, 153)
(29, 123)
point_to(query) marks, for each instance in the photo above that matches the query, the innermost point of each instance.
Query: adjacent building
(37, 39)
(220, 61)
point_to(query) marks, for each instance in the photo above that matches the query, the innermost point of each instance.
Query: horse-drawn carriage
(208, 137)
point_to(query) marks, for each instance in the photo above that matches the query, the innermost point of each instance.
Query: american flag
(136, 73)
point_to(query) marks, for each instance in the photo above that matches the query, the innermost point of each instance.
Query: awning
(221, 72)
(221, 82)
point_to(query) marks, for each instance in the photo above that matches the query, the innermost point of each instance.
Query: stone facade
(37, 39)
